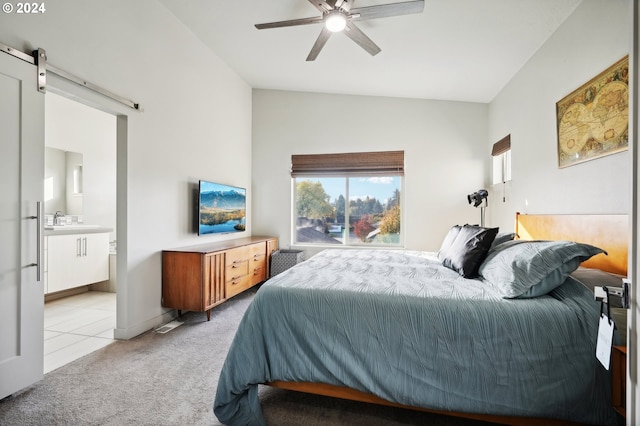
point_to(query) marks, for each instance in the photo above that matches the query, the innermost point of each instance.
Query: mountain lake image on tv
(221, 209)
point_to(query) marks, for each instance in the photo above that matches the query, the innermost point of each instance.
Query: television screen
(221, 208)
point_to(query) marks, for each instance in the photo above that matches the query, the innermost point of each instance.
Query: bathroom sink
(70, 227)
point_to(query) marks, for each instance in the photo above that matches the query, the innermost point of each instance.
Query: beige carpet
(170, 379)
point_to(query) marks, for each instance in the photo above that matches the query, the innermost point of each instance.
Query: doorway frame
(88, 97)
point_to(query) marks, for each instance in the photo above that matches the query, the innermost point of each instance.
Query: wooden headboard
(610, 232)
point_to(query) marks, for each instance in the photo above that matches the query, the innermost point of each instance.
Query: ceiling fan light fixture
(338, 16)
(335, 21)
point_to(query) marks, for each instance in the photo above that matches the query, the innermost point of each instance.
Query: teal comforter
(403, 327)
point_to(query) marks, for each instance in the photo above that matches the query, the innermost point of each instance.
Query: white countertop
(75, 229)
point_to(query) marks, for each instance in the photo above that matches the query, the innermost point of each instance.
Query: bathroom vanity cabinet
(75, 259)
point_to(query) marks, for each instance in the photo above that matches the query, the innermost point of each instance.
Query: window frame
(501, 161)
(365, 165)
(501, 172)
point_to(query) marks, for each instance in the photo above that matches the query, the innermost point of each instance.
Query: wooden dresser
(619, 379)
(197, 278)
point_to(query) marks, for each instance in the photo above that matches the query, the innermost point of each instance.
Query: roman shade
(502, 146)
(381, 163)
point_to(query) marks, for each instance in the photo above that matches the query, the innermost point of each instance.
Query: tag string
(602, 303)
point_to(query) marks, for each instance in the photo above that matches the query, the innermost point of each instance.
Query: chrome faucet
(57, 218)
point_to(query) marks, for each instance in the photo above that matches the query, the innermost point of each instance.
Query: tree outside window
(371, 216)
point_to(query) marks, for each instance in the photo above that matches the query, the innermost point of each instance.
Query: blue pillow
(502, 237)
(526, 269)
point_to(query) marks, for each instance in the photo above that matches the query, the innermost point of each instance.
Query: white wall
(447, 155)
(443, 142)
(593, 38)
(196, 124)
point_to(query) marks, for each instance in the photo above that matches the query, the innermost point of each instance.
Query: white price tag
(605, 341)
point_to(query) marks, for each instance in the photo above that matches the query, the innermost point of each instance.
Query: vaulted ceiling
(462, 50)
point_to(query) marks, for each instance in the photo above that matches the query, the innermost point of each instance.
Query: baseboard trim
(66, 293)
(138, 329)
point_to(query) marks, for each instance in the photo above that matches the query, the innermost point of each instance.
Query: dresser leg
(209, 315)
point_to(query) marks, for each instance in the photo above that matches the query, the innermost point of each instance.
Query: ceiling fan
(338, 16)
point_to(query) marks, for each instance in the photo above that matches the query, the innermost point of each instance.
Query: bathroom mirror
(63, 182)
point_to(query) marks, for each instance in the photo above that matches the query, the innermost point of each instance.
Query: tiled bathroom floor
(76, 326)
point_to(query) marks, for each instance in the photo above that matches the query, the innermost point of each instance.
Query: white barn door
(21, 195)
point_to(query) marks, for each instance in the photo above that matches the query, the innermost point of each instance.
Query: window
(501, 153)
(348, 199)
(502, 167)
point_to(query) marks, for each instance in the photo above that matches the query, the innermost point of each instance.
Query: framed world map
(593, 120)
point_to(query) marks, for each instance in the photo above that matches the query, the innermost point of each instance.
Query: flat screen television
(221, 208)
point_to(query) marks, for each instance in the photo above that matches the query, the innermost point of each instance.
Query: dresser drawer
(236, 269)
(238, 284)
(244, 253)
(259, 275)
(237, 255)
(258, 259)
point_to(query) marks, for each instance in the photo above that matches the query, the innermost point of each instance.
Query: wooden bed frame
(609, 232)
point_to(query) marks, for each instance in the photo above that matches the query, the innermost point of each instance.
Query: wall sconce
(479, 198)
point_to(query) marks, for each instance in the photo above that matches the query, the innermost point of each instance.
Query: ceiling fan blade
(386, 10)
(329, 5)
(290, 23)
(345, 5)
(355, 34)
(319, 44)
(322, 5)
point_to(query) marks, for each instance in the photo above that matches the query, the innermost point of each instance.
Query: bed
(399, 328)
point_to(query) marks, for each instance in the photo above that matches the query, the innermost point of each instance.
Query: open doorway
(80, 230)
